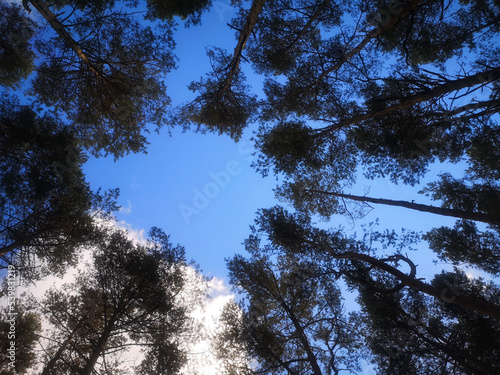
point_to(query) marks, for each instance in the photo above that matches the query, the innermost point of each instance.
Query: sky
(201, 189)
(198, 187)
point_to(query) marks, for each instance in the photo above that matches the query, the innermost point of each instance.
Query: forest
(334, 93)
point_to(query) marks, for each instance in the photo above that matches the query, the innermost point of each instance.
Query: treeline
(383, 89)
(93, 79)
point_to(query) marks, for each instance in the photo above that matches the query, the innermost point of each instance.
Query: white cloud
(205, 299)
(137, 235)
(201, 358)
(217, 287)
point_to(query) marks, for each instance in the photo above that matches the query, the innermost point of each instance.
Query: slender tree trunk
(367, 39)
(467, 215)
(59, 28)
(303, 339)
(232, 68)
(62, 348)
(436, 92)
(99, 347)
(103, 339)
(252, 18)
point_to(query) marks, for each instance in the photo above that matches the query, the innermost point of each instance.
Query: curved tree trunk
(480, 306)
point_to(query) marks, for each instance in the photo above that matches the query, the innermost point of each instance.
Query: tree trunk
(62, 348)
(103, 339)
(303, 338)
(97, 351)
(59, 28)
(253, 16)
(438, 91)
(369, 37)
(467, 215)
(446, 295)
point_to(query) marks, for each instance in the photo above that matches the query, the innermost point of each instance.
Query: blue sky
(201, 189)
(158, 189)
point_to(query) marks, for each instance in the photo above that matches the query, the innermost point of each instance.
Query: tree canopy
(401, 324)
(16, 54)
(386, 90)
(128, 297)
(372, 89)
(47, 206)
(100, 65)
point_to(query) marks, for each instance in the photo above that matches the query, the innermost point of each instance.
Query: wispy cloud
(126, 210)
